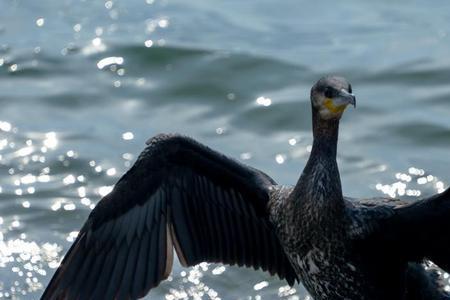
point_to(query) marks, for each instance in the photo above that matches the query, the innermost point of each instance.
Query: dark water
(83, 84)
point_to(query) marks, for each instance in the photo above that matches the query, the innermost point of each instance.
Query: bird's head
(331, 95)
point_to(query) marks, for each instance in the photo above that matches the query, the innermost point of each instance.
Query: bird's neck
(325, 134)
(319, 185)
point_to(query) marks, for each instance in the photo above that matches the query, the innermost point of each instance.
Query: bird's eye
(328, 93)
(350, 88)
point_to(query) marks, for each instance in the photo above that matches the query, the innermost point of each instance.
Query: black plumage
(182, 195)
(178, 192)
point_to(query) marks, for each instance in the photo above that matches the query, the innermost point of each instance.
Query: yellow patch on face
(333, 108)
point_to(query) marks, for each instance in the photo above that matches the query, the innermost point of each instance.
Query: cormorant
(181, 194)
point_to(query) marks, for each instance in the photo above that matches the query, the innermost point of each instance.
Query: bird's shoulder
(367, 214)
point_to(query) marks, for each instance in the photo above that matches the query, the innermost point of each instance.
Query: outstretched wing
(423, 229)
(179, 194)
(414, 232)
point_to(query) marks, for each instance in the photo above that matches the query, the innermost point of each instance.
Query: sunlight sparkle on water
(111, 172)
(95, 46)
(218, 270)
(28, 179)
(127, 156)
(86, 201)
(286, 291)
(148, 43)
(81, 192)
(109, 4)
(56, 205)
(69, 179)
(263, 101)
(25, 151)
(128, 136)
(50, 140)
(411, 184)
(440, 186)
(231, 96)
(15, 223)
(26, 259)
(107, 61)
(43, 178)
(3, 143)
(40, 22)
(280, 158)
(97, 42)
(5, 126)
(13, 68)
(69, 206)
(71, 154)
(163, 23)
(77, 27)
(72, 236)
(220, 130)
(416, 171)
(104, 190)
(260, 285)
(245, 156)
(193, 287)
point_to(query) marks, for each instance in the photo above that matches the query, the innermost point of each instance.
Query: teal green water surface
(83, 85)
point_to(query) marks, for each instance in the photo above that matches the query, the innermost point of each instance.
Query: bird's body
(182, 195)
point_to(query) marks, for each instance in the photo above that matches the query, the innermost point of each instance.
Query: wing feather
(150, 217)
(103, 281)
(129, 270)
(162, 250)
(414, 231)
(116, 275)
(151, 277)
(83, 273)
(94, 274)
(424, 227)
(139, 283)
(179, 195)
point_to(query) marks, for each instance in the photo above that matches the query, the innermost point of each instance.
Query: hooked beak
(345, 98)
